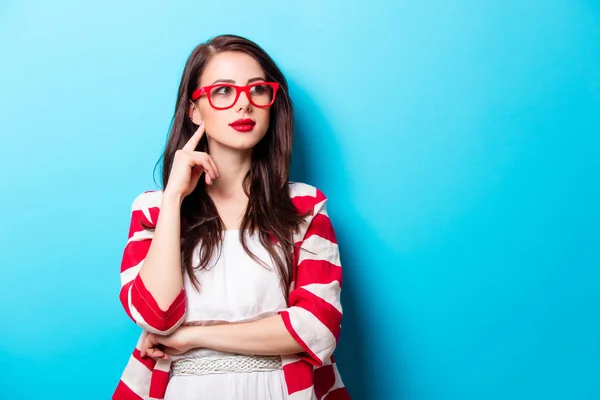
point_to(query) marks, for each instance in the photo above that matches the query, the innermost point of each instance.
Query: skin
(225, 167)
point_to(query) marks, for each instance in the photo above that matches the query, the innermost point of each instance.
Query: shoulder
(306, 197)
(147, 199)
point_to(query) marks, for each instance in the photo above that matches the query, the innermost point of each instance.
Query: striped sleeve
(314, 314)
(138, 302)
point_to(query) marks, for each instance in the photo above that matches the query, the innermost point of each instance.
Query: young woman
(232, 271)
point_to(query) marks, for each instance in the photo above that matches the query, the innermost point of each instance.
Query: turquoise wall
(458, 142)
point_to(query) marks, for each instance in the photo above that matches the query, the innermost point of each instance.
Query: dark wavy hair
(270, 209)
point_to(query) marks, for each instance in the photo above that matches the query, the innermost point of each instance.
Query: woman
(232, 271)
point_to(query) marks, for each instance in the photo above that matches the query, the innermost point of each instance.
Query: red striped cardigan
(313, 316)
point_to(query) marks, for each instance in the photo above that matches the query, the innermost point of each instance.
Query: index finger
(195, 139)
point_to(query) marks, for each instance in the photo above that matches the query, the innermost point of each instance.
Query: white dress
(235, 288)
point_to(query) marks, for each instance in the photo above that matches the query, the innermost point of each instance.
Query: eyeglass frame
(196, 94)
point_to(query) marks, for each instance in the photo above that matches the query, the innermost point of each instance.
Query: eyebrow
(232, 81)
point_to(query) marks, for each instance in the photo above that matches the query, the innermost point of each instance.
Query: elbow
(163, 329)
(143, 309)
(317, 339)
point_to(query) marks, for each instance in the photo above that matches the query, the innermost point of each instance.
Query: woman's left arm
(266, 336)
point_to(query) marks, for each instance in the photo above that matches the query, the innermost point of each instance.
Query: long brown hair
(270, 210)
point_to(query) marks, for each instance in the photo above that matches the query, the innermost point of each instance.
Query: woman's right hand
(188, 166)
(151, 348)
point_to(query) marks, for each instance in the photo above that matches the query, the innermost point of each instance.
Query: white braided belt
(225, 364)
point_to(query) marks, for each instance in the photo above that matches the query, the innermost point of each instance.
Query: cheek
(263, 118)
(215, 120)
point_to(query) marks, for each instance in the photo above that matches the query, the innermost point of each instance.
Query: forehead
(234, 65)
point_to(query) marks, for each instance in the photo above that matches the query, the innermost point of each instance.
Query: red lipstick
(243, 125)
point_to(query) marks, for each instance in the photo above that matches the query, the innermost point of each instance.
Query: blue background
(457, 142)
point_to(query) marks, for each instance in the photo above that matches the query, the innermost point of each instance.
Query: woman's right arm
(151, 279)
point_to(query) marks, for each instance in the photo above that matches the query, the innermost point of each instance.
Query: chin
(245, 140)
(244, 143)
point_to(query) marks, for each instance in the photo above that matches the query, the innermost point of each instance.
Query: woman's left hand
(176, 343)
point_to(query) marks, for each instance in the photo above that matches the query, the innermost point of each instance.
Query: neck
(233, 165)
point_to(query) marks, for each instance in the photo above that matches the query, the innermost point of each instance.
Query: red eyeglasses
(224, 95)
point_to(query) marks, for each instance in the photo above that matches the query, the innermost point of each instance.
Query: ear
(194, 113)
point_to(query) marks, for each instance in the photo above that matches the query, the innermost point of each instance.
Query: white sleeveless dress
(234, 289)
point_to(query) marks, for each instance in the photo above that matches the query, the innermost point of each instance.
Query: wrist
(172, 198)
(194, 337)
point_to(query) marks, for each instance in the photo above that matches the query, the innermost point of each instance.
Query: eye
(222, 90)
(260, 89)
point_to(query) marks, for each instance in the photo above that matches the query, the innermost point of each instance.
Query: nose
(243, 102)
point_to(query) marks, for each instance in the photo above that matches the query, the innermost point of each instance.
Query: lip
(243, 122)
